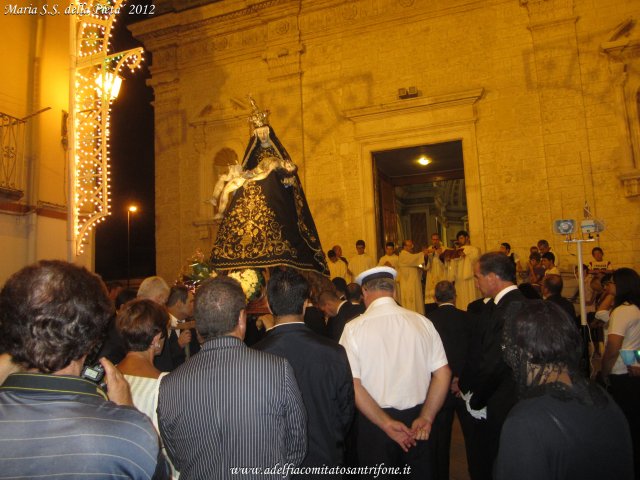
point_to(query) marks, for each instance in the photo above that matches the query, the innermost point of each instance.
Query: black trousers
(440, 438)
(479, 444)
(625, 390)
(482, 448)
(376, 448)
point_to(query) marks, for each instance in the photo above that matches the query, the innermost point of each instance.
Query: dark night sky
(132, 169)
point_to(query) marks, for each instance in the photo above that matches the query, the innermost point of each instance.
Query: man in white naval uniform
(400, 376)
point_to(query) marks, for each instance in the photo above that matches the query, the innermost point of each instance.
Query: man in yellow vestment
(466, 290)
(410, 278)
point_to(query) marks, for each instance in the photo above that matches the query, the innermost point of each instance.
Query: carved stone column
(558, 80)
(169, 132)
(623, 51)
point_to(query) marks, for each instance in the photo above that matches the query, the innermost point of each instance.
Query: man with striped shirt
(231, 411)
(53, 423)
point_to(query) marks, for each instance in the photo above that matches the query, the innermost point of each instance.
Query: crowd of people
(360, 376)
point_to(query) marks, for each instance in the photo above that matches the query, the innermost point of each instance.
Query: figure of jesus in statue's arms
(236, 177)
(226, 184)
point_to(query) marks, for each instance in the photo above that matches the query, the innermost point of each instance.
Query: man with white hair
(154, 288)
(400, 376)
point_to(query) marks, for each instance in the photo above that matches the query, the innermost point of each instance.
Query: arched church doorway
(420, 190)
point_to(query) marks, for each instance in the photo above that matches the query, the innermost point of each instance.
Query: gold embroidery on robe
(251, 230)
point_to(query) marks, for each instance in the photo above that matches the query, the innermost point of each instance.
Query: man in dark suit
(338, 311)
(230, 407)
(314, 319)
(182, 341)
(321, 367)
(552, 292)
(453, 325)
(476, 316)
(354, 295)
(486, 383)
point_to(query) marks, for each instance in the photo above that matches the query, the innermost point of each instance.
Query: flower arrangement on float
(251, 281)
(196, 270)
(199, 269)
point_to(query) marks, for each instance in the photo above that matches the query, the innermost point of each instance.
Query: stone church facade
(543, 95)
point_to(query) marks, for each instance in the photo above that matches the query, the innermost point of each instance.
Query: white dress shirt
(393, 352)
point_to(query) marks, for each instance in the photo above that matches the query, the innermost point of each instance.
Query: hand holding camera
(119, 391)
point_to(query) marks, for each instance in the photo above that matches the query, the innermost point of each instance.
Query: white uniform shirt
(393, 352)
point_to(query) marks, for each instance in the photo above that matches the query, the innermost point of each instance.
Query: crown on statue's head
(258, 118)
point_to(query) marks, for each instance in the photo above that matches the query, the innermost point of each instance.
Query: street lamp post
(130, 209)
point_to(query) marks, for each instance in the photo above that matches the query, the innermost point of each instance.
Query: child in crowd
(548, 262)
(599, 265)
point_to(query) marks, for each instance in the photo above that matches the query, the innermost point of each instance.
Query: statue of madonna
(265, 218)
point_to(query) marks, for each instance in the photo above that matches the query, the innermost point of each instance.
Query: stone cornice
(417, 105)
(315, 18)
(630, 183)
(236, 16)
(326, 18)
(556, 22)
(622, 50)
(549, 13)
(224, 119)
(621, 46)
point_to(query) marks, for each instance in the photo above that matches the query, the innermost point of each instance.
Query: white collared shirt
(503, 292)
(174, 321)
(340, 306)
(393, 352)
(286, 323)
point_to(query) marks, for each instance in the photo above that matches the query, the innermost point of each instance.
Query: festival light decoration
(96, 83)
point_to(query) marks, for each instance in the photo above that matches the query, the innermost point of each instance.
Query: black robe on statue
(267, 222)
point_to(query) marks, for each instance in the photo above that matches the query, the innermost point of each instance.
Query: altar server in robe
(390, 259)
(410, 278)
(466, 288)
(434, 267)
(360, 262)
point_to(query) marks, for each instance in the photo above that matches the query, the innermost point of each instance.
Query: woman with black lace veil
(266, 220)
(563, 427)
